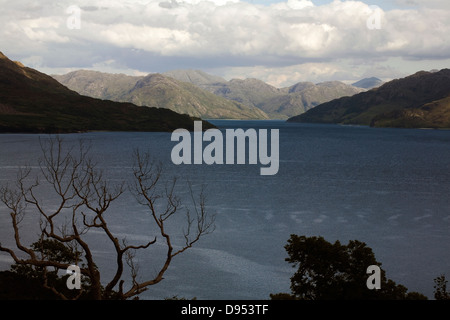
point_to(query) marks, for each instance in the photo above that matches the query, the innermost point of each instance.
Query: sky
(279, 42)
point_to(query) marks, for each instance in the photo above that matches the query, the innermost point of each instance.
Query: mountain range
(199, 94)
(157, 90)
(421, 100)
(278, 103)
(31, 101)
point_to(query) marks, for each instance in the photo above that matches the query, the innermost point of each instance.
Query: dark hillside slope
(398, 103)
(31, 101)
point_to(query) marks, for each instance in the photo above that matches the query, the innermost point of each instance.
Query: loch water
(389, 188)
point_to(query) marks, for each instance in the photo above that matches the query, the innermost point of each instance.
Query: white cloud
(216, 2)
(286, 76)
(293, 36)
(299, 4)
(165, 41)
(437, 4)
(316, 72)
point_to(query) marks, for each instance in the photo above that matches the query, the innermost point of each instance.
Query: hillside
(157, 90)
(435, 114)
(97, 84)
(419, 100)
(31, 101)
(251, 92)
(304, 96)
(199, 78)
(278, 103)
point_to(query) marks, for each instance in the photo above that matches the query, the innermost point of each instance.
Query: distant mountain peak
(196, 77)
(368, 83)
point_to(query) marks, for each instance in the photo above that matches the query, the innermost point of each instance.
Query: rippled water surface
(387, 187)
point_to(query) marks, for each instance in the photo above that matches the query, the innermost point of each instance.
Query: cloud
(165, 41)
(436, 4)
(237, 35)
(342, 70)
(299, 4)
(285, 76)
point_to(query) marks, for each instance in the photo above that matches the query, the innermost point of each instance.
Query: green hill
(435, 114)
(304, 96)
(277, 103)
(157, 90)
(419, 100)
(31, 101)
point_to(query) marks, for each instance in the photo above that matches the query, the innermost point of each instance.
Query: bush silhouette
(328, 271)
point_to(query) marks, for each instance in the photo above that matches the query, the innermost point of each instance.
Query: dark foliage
(330, 271)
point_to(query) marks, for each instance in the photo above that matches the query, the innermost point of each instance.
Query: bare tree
(82, 198)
